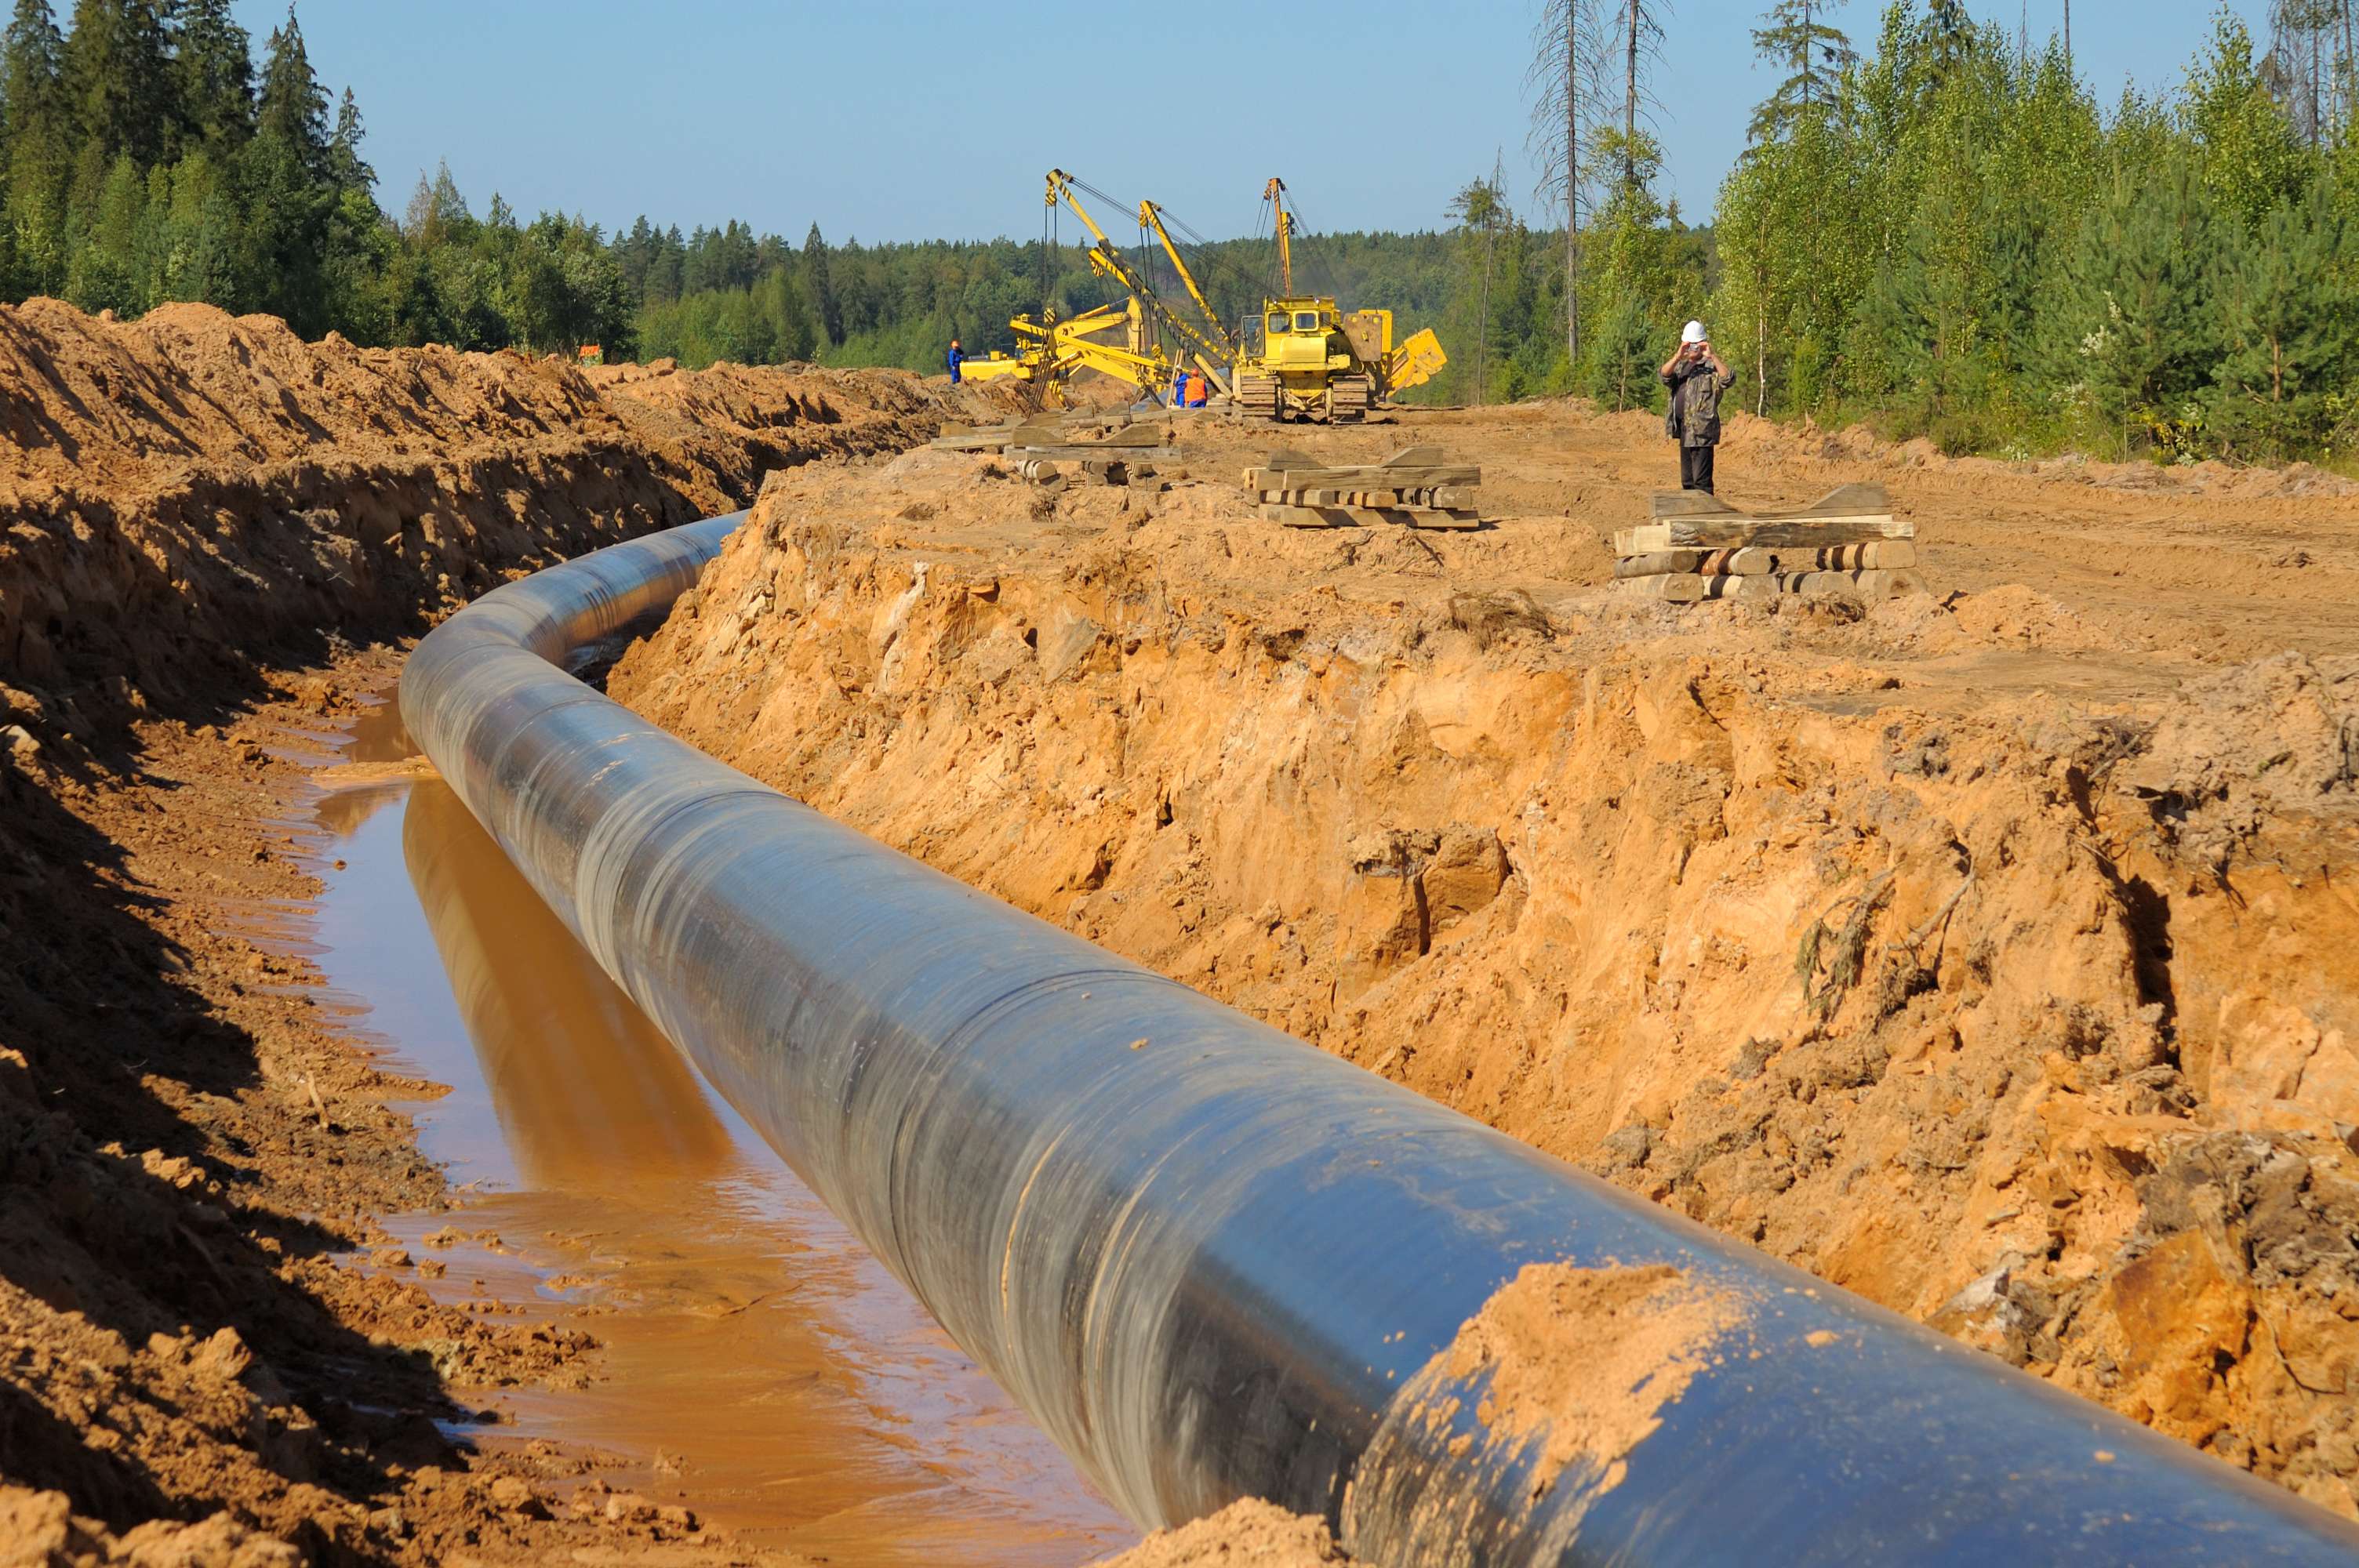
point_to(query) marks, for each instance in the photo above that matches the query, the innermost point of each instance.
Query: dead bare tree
(1638, 25)
(1568, 52)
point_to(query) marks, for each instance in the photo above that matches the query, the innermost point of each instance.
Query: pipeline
(1213, 1260)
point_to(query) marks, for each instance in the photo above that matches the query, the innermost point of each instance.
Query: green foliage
(1963, 243)
(1947, 232)
(144, 159)
(2244, 143)
(1814, 52)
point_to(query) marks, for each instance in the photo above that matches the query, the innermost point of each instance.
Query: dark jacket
(1694, 418)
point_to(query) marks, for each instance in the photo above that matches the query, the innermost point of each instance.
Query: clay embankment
(1995, 957)
(197, 516)
(182, 494)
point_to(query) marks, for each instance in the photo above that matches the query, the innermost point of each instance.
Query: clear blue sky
(920, 121)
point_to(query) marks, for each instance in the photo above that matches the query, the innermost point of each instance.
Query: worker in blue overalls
(1180, 387)
(954, 359)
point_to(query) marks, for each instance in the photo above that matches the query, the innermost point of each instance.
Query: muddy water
(758, 1364)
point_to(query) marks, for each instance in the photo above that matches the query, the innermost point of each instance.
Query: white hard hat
(1692, 334)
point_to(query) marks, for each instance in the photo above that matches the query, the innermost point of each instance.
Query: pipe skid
(1215, 1262)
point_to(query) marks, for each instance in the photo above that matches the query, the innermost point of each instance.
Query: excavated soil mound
(1248, 1533)
(182, 493)
(1992, 955)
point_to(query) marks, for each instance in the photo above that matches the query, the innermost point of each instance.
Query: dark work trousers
(1695, 469)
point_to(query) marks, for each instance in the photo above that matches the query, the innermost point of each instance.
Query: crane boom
(1151, 217)
(1106, 257)
(1060, 189)
(1275, 193)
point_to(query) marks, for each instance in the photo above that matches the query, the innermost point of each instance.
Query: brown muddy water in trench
(758, 1364)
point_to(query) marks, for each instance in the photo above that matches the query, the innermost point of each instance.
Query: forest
(1940, 228)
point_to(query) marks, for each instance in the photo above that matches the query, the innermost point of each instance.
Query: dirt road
(1990, 953)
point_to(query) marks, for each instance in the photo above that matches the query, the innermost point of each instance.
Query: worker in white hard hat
(1697, 378)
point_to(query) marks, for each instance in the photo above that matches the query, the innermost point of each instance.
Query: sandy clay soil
(1994, 954)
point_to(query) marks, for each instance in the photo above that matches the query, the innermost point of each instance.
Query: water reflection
(588, 1092)
(758, 1364)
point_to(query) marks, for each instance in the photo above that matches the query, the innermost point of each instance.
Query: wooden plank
(1735, 532)
(1303, 517)
(1869, 585)
(1880, 582)
(1452, 495)
(1844, 501)
(1071, 454)
(1658, 563)
(1688, 503)
(1886, 553)
(1371, 477)
(1741, 587)
(1748, 561)
(1322, 516)
(1675, 588)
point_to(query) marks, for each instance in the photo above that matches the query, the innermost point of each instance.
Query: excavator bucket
(1414, 362)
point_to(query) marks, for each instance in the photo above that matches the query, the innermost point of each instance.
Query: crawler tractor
(1318, 361)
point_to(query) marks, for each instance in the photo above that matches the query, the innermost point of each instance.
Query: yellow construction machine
(1318, 361)
(1157, 341)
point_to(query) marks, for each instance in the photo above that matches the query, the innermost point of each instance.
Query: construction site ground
(2069, 1072)
(1993, 952)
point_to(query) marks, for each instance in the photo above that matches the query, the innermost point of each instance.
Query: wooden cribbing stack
(1053, 452)
(1416, 487)
(1696, 546)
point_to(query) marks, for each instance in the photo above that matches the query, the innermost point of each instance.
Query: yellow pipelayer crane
(1054, 349)
(1318, 361)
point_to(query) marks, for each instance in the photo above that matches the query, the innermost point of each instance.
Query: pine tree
(288, 181)
(34, 155)
(31, 53)
(667, 275)
(347, 170)
(1480, 210)
(820, 288)
(2132, 329)
(120, 85)
(437, 214)
(2290, 326)
(103, 274)
(1814, 51)
(214, 57)
(292, 105)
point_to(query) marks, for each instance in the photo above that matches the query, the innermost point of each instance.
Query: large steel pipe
(1208, 1258)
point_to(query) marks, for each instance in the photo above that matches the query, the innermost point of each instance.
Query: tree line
(1950, 234)
(1947, 231)
(146, 157)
